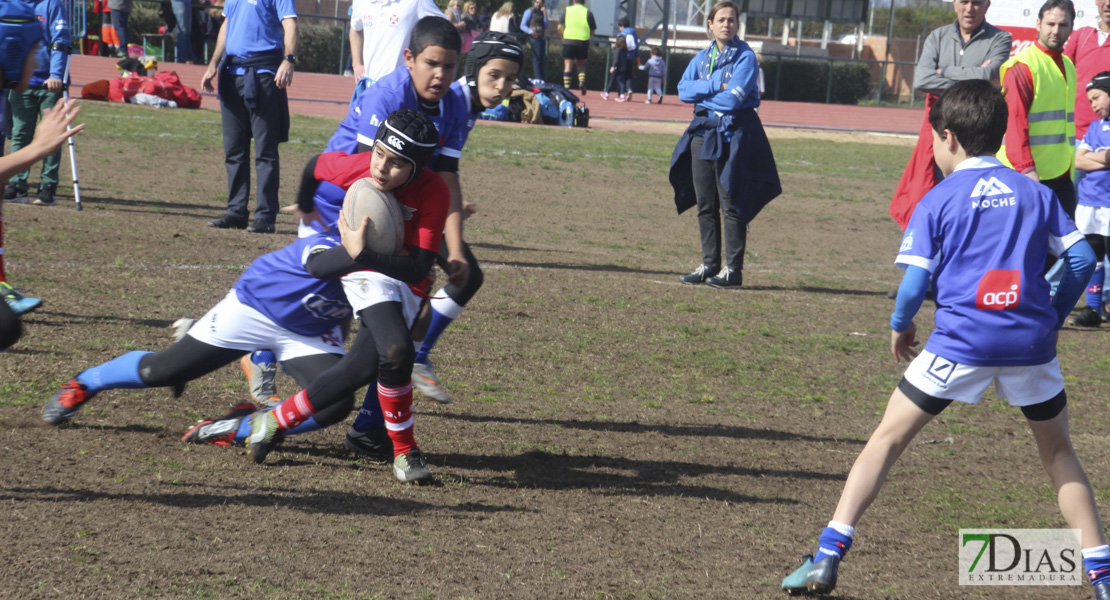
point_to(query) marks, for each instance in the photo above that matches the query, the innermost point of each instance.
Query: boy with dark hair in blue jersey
(982, 234)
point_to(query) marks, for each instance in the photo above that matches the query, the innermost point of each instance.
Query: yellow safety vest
(576, 25)
(1051, 117)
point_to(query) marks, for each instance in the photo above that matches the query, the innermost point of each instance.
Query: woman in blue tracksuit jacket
(723, 161)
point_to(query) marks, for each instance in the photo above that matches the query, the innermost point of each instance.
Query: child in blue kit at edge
(1092, 215)
(995, 322)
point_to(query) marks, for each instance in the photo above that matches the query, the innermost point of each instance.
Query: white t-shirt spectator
(500, 24)
(386, 26)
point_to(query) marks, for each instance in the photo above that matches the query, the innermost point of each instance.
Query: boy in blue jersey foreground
(982, 234)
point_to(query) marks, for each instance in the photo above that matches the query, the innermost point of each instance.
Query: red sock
(397, 406)
(293, 411)
(3, 275)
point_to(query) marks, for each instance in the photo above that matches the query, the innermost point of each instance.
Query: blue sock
(370, 416)
(1094, 288)
(244, 431)
(1096, 563)
(307, 426)
(121, 372)
(438, 325)
(835, 540)
(263, 357)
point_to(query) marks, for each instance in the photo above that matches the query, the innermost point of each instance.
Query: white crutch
(60, 47)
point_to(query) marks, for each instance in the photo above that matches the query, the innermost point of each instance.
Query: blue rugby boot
(1102, 591)
(821, 579)
(795, 583)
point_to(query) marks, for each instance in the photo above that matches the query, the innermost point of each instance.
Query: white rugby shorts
(367, 288)
(1020, 386)
(232, 324)
(1092, 219)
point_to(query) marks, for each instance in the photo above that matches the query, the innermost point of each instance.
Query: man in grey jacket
(970, 48)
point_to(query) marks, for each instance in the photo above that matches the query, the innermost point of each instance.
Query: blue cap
(20, 31)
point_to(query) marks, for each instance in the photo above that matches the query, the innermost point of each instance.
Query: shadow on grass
(182, 495)
(633, 427)
(123, 203)
(619, 476)
(63, 319)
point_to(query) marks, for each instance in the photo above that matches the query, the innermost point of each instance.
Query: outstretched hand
(54, 130)
(354, 240)
(902, 343)
(305, 218)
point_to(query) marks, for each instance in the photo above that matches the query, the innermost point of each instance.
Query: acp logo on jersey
(999, 290)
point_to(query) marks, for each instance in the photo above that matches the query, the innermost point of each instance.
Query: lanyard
(713, 57)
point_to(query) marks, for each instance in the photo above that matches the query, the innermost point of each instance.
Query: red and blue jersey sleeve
(342, 169)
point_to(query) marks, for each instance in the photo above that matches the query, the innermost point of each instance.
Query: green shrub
(318, 48)
(795, 80)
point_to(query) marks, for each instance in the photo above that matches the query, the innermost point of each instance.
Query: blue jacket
(736, 65)
(55, 29)
(733, 134)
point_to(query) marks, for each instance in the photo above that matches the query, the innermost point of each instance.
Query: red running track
(327, 96)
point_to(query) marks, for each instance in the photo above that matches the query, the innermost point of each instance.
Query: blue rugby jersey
(395, 92)
(1094, 188)
(278, 286)
(984, 233)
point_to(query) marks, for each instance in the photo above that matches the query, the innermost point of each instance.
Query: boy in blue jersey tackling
(425, 84)
(982, 234)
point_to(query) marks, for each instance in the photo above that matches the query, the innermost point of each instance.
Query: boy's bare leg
(901, 422)
(1073, 490)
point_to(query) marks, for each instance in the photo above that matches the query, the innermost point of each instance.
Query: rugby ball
(386, 231)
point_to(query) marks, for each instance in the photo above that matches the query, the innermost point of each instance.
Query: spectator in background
(44, 91)
(1089, 49)
(970, 48)
(109, 41)
(577, 28)
(656, 68)
(534, 23)
(471, 25)
(121, 11)
(723, 161)
(632, 56)
(380, 31)
(183, 13)
(454, 14)
(260, 40)
(502, 21)
(618, 71)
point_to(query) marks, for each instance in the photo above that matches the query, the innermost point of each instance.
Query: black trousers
(382, 351)
(191, 359)
(240, 125)
(713, 200)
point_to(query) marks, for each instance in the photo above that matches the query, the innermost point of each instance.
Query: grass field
(615, 434)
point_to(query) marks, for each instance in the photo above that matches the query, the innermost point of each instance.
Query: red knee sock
(293, 411)
(397, 406)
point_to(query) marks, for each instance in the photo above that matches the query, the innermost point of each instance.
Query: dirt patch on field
(615, 434)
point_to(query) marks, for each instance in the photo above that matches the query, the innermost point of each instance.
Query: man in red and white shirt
(1089, 49)
(380, 31)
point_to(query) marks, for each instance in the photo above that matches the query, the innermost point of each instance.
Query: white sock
(843, 528)
(1097, 552)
